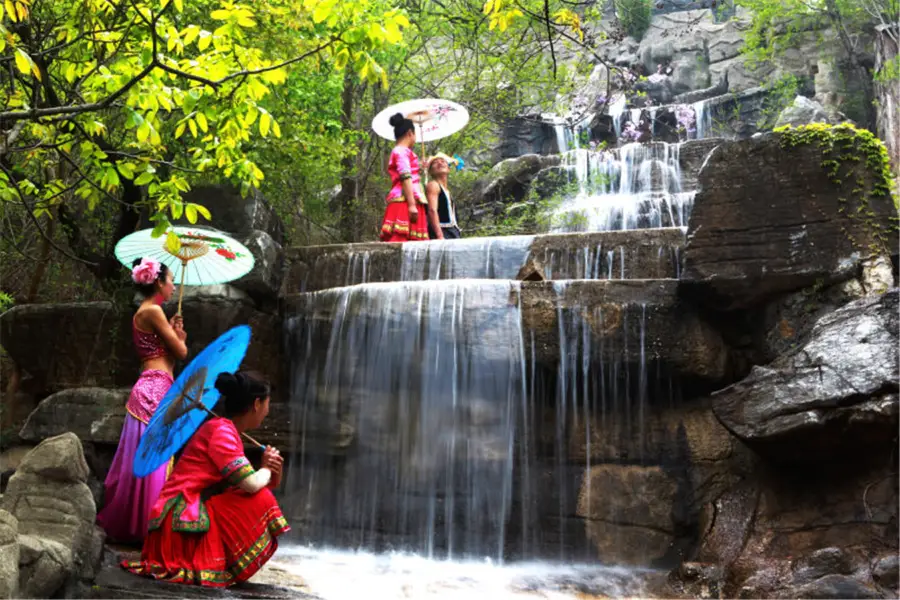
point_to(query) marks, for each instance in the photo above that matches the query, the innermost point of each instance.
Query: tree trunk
(887, 93)
(346, 202)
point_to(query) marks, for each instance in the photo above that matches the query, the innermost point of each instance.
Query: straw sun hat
(450, 160)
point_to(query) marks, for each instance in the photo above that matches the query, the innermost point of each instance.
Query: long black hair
(148, 289)
(401, 125)
(240, 390)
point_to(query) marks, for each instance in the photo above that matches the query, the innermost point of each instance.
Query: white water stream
(346, 575)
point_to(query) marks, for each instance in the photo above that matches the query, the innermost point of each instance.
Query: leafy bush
(634, 15)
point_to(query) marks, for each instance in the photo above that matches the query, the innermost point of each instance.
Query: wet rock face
(837, 393)
(769, 220)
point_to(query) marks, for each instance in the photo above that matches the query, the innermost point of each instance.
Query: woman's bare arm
(164, 330)
(432, 191)
(256, 482)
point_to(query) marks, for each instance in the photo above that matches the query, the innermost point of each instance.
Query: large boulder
(9, 556)
(802, 111)
(89, 344)
(507, 182)
(93, 414)
(769, 219)
(233, 213)
(71, 345)
(836, 393)
(55, 510)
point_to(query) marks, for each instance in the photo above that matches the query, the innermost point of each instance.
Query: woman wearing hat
(441, 214)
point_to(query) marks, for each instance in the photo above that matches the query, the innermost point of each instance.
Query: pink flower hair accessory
(145, 273)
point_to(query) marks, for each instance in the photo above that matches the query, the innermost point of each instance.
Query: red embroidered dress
(403, 165)
(203, 529)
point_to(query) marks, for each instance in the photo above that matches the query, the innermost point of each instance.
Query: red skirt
(397, 228)
(241, 538)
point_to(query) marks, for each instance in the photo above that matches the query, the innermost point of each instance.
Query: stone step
(628, 321)
(630, 254)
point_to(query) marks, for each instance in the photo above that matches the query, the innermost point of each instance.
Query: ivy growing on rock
(848, 151)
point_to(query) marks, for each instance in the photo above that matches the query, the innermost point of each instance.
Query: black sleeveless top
(445, 216)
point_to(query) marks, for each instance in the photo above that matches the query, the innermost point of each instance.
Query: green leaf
(126, 169)
(201, 121)
(220, 15)
(143, 132)
(203, 211)
(177, 209)
(265, 120)
(162, 224)
(144, 178)
(191, 213)
(23, 61)
(205, 40)
(173, 243)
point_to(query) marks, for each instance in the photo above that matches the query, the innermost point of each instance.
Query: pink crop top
(148, 344)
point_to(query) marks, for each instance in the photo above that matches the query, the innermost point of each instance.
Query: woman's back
(213, 459)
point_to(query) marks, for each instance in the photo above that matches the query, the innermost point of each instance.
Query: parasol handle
(422, 133)
(203, 406)
(181, 286)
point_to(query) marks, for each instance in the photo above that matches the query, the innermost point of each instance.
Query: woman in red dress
(403, 221)
(216, 521)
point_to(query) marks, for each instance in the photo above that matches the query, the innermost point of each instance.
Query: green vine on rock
(845, 150)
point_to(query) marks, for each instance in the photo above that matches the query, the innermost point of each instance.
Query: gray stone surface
(837, 392)
(55, 511)
(802, 111)
(9, 556)
(768, 219)
(93, 414)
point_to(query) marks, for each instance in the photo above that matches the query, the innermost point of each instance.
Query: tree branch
(37, 224)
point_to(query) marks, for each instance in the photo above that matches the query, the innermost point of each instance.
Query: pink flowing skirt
(129, 499)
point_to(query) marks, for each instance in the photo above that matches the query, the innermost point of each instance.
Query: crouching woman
(216, 521)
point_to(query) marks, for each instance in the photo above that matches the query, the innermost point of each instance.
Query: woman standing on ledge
(405, 218)
(128, 499)
(216, 521)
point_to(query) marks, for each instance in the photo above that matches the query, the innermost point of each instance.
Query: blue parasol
(189, 401)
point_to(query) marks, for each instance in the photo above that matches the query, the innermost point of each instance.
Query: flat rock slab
(115, 582)
(639, 254)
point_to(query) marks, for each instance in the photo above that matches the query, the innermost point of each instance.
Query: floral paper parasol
(195, 255)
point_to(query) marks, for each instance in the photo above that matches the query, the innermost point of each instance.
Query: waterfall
(466, 258)
(427, 379)
(634, 187)
(703, 119)
(616, 111)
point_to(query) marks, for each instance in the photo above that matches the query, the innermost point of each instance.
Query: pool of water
(346, 575)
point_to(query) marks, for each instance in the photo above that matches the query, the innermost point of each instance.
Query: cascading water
(427, 378)
(453, 419)
(467, 258)
(636, 186)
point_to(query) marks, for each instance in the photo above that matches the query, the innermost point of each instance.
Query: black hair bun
(136, 262)
(396, 120)
(229, 384)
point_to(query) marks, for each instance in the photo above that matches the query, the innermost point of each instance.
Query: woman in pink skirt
(159, 342)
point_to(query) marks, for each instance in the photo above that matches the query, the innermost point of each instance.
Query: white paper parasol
(434, 119)
(204, 256)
